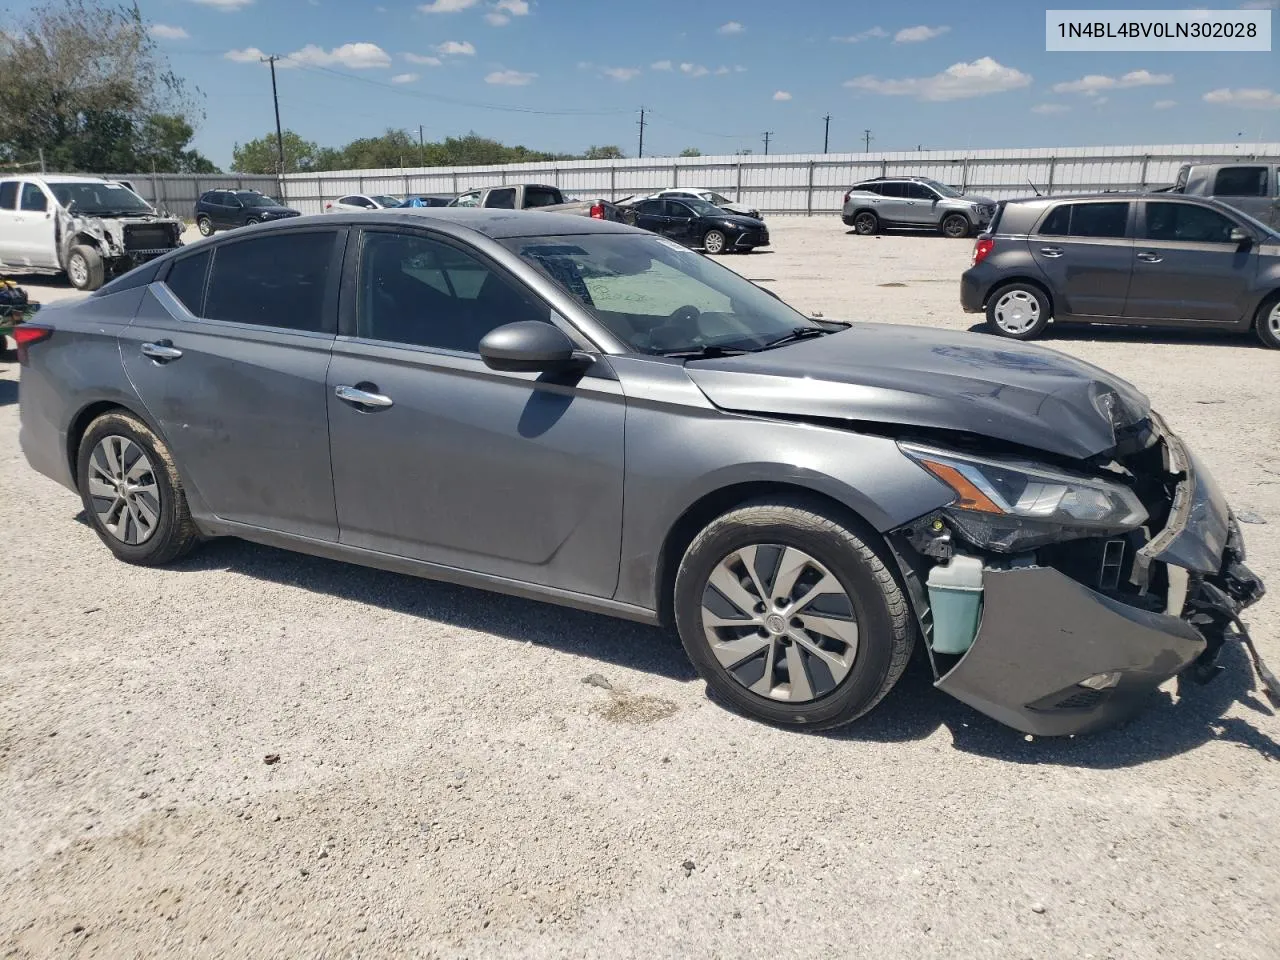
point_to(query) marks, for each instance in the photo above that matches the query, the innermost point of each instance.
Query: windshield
(715, 198)
(386, 201)
(256, 200)
(658, 297)
(943, 189)
(97, 199)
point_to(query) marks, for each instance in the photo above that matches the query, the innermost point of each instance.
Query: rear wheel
(790, 616)
(956, 226)
(714, 242)
(866, 223)
(1267, 324)
(1019, 311)
(205, 226)
(85, 268)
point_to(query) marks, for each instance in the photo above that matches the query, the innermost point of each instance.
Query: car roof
(56, 178)
(1117, 196)
(495, 224)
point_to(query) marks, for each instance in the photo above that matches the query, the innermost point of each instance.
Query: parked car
(86, 227)
(696, 223)
(227, 209)
(1252, 188)
(576, 411)
(427, 200)
(709, 196)
(535, 196)
(361, 201)
(915, 202)
(1140, 259)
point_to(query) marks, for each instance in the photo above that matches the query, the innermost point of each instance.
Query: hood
(280, 212)
(918, 376)
(981, 201)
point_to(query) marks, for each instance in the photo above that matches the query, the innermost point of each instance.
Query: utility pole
(768, 135)
(275, 97)
(867, 138)
(826, 132)
(42, 170)
(640, 152)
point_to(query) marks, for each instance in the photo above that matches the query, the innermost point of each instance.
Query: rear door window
(541, 197)
(9, 195)
(503, 199)
(273, 281)
(892, 190)
(1240, 182)
(1090, 220)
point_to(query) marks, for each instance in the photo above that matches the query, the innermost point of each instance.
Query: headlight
(1012, 505)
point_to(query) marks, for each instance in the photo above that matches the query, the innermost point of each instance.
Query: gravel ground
(256, 754)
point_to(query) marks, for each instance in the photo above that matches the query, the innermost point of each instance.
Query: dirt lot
(448, 786)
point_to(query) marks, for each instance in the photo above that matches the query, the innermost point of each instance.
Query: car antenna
(1033, 187)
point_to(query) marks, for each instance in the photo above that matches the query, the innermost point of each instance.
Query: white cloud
(1050, 108)
(354, 56)
(456, 48)
(1165, 104)
(733, 26)
(497, 19)
(694, 69)
(446, 6)
(722, 71)
(166, 32)
(739, 69)
(515, 8)
(660, 65)
(1250, 98)
(957, 82)
(404, 78)
(1094, 83)
(782, 95)
(224, 5)
(253, 55)
(421, 60)
(510, 78)
(621, 73)
(875, 33)
(919, 34)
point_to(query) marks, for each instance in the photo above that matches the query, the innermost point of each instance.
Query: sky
(562, 75)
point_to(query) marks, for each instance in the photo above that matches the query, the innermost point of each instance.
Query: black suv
(1125, 258)
(227, 209)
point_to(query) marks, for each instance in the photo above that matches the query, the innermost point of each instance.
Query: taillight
(847, 195)
(981, 248)
(597, 211)
(28, 333)
(328, 206)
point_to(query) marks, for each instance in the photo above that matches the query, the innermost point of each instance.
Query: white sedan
(360, 201)
(710, 196)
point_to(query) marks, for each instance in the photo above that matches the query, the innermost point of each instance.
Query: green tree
(161, 146)
(690, 152)
(603, 153)
(261, 155)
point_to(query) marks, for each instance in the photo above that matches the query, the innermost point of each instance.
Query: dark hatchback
(696, 223)
(227, 209)
(1144, 260)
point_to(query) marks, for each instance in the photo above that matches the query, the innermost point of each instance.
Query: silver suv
(914, 202)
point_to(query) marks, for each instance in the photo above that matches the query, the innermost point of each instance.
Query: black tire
(174, 533)
(715, 242)
(1003, 318)
(85, 268)
(1267, 323)
(251, 221)
(205, 226)
(956, 226)
(866, 223)
(885, 629)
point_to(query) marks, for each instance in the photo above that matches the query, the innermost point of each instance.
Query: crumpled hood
(918, 376)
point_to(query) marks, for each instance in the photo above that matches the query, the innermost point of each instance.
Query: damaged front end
(123, 242)
(1054, 597)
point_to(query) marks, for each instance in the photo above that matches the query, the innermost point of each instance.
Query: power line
(684, 126)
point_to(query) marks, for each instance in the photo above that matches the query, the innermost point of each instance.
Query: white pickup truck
(536, 196)
(89, 228)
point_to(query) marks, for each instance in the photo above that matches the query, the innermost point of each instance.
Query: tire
(1019, 311)
(1267, 323)
(156, 498)
(205, 226)
(714, 242)
(251, 221)
(866, 223)
(956, 226)
(85, 268)
(837, 683)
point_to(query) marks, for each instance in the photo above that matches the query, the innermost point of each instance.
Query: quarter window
(273, 281)
(1240, 182)
(186, 280)
(33, 198)
(419, 291)
(1186, 222)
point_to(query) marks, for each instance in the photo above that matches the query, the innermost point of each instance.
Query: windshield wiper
(704, 353)
(797, 334)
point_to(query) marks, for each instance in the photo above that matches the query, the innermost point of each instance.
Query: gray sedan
(577, 411)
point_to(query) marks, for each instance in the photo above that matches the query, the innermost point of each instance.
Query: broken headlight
(1009, 506)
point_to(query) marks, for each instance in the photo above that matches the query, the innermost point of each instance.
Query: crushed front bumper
(1054, 657)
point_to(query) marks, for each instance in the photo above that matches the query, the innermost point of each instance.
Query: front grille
(756, 238)
(148, 236)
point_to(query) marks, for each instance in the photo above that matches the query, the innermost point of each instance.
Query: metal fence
(798, 183)
(177, 192)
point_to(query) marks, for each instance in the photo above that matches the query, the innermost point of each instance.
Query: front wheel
(205, 226)
(85, 268)
(1019, 311)
(791, 616)
(714, 242)
(1267, 324)
(956, 226)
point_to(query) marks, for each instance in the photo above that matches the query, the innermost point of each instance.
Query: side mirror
(1239, 236)
(530, 346)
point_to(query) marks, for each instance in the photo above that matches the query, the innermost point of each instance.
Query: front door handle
(162, 351)
(363, 398)
(1051, 251)
(1146, 256)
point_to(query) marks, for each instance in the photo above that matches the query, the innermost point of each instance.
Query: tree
(690, 152)
(603, 153)
(84, 82)
(260, 155)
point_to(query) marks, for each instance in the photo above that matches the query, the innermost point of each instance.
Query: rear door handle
(362, 398)
(1051, 251)
(162, 351)
(1146, 256)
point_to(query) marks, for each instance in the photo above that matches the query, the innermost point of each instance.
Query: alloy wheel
(122, 484)
(1273, 321)
(77, 271)
(1017, 311)
(955, 227)
(779, 622)
(714, 242)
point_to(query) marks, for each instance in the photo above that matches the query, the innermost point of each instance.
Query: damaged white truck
(89, 228)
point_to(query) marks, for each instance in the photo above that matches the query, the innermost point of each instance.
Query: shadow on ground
(913, 710)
